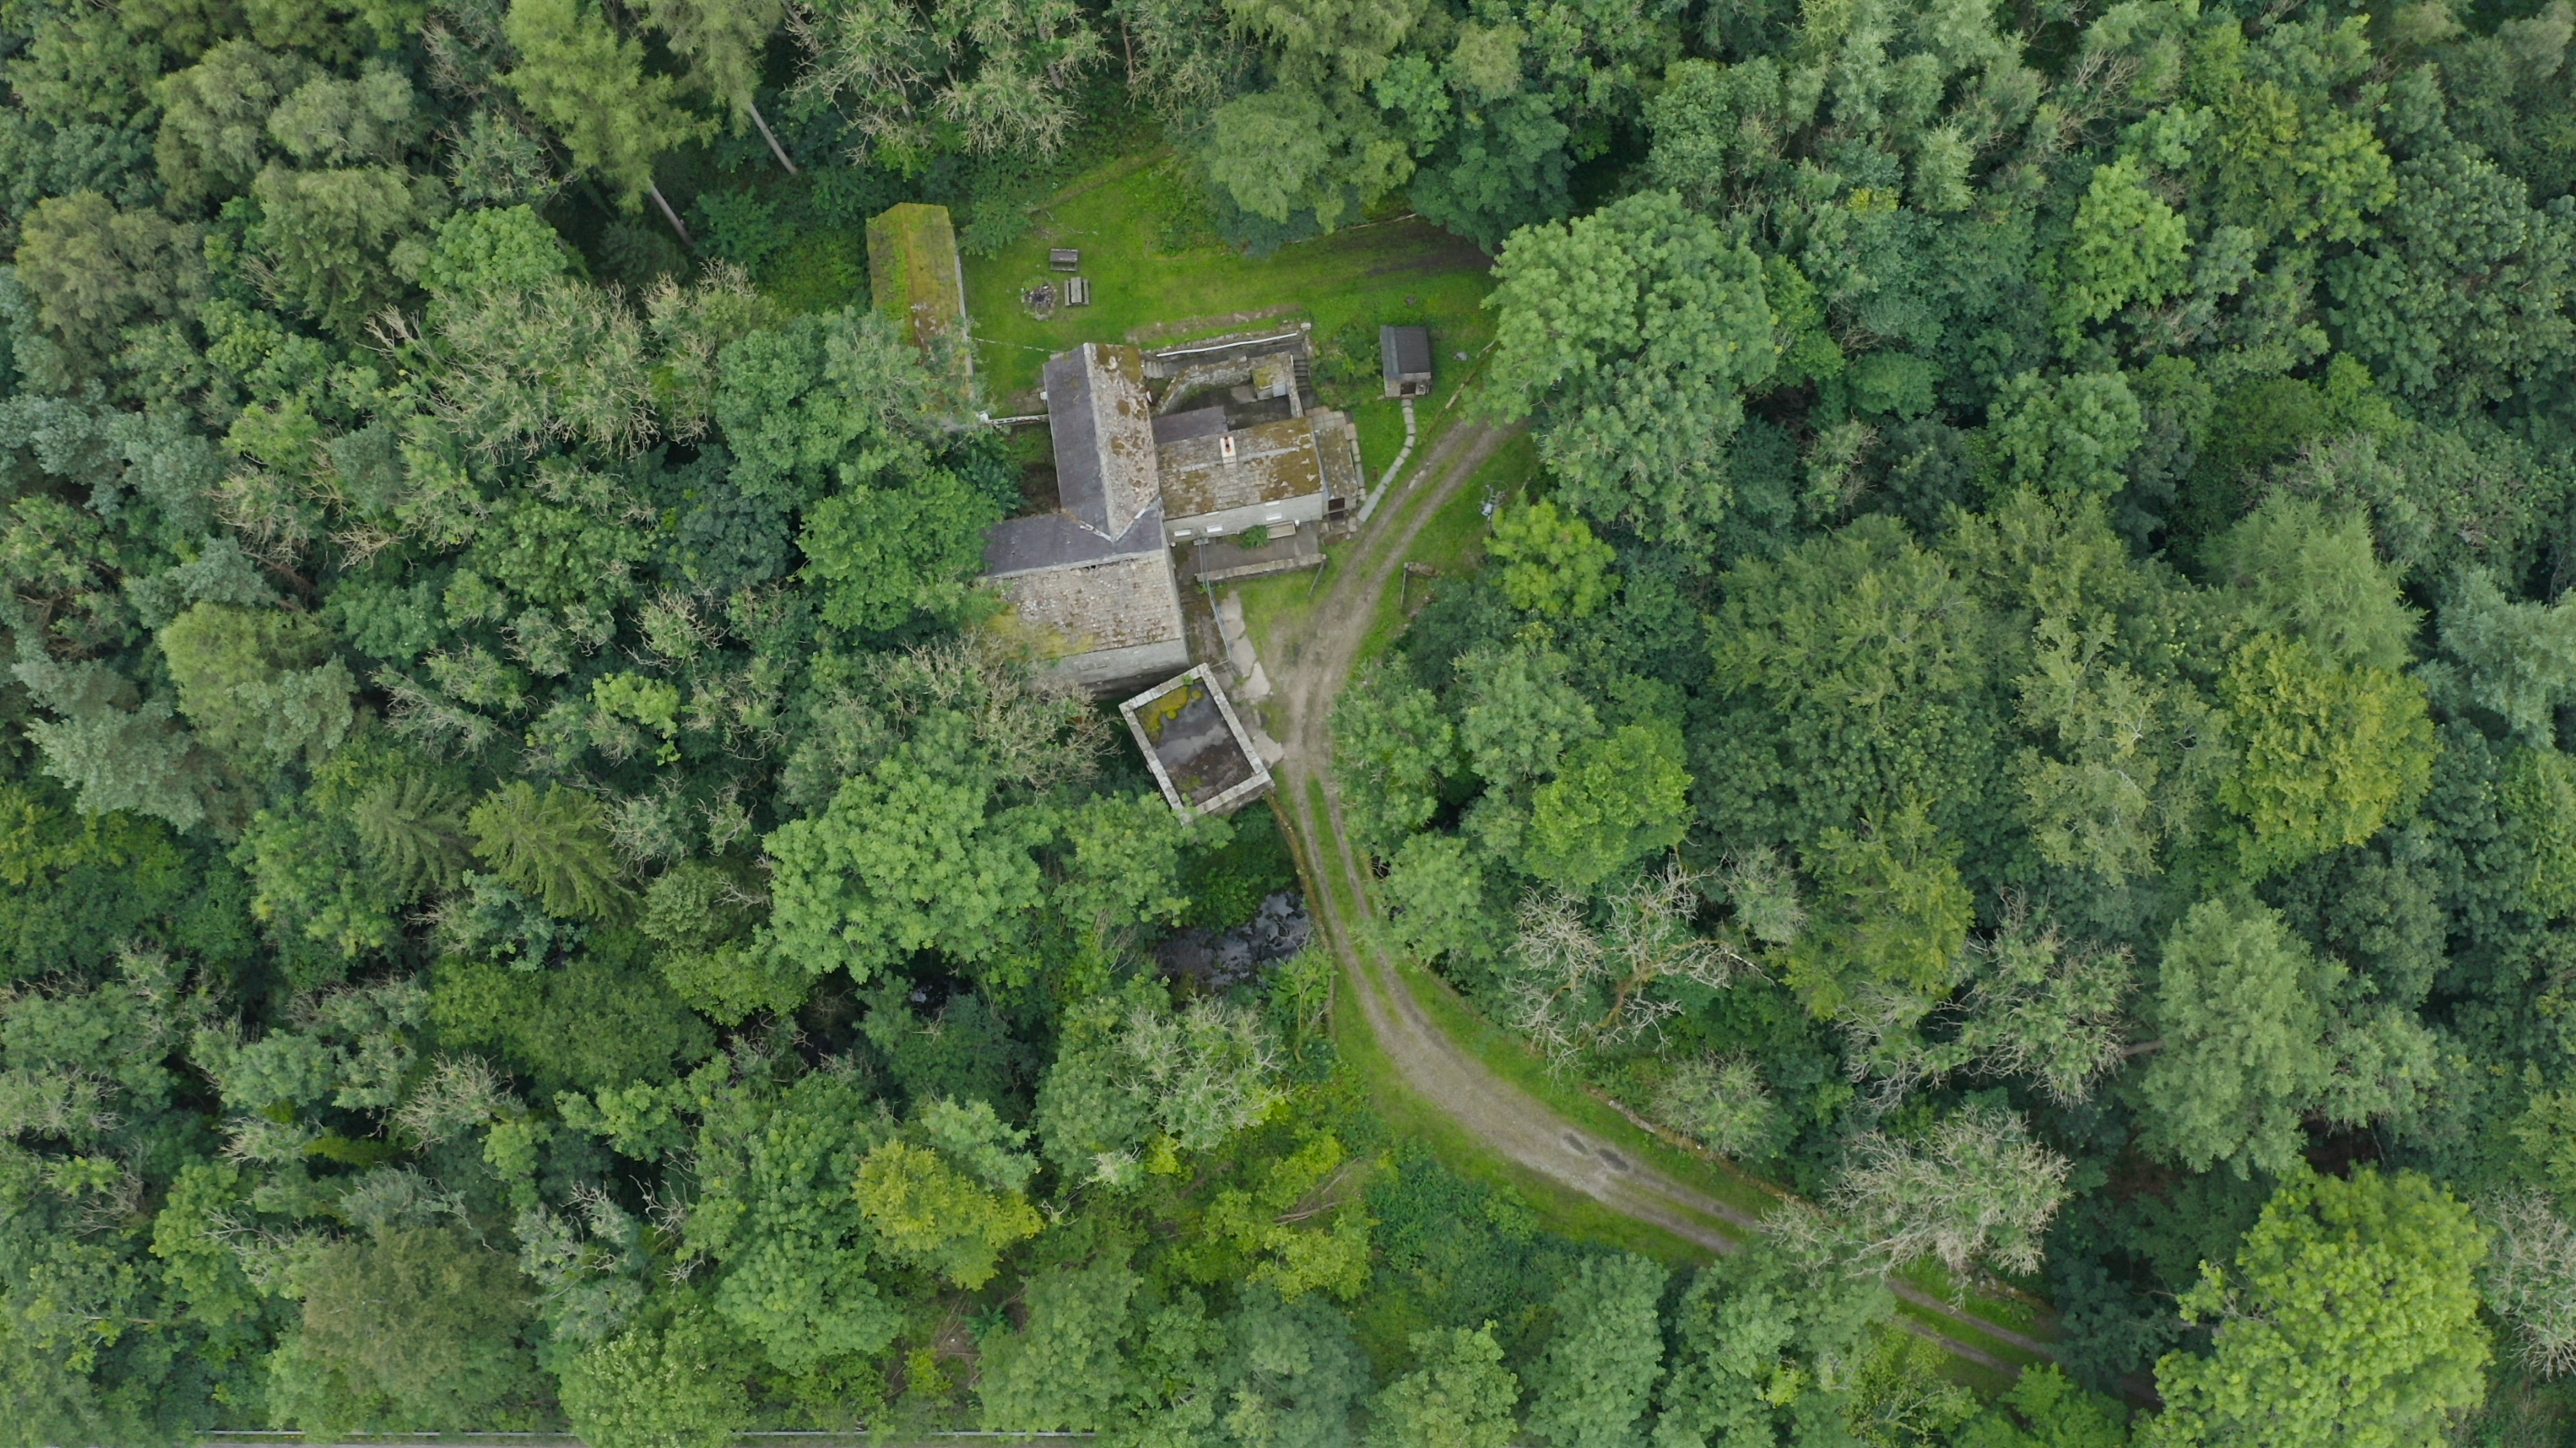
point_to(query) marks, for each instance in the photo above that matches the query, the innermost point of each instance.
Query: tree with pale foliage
(917, 79)
(2037, 1005)
(1133, 1076)
(1576, 986)
(1724, 1104)
(1976, 1188)
(2530, 1278)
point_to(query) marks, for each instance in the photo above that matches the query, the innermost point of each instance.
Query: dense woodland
(2024, 704)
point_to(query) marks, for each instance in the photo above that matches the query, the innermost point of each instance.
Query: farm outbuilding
(919, 283)
(1404, 353)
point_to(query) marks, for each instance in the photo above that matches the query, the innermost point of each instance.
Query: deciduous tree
(1595, 1383)
(418, 1325)
(1460, 1395)
(1066, 1369)
(2529, 1278)
(1620, 798)
(260, 685)
(2295, 570)
(2513, 658)
(1576, 986)
(2348, 1317)
(925, 1211)
(2325, 753)
(2127, 246)
(674, 1386)
(1552, 565)
(921, 77)
(1633, 333)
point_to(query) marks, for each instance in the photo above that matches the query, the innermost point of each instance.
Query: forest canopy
(2015, 705)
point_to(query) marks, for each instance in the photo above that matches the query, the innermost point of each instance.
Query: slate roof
(1054, 540)
(1181, 426)
(1103, 430)
(1272, 462)
(1112, 604)
(1404, 352)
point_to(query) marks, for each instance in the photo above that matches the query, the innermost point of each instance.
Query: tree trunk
(2143, 1048)
(672, 217)
(766, 134)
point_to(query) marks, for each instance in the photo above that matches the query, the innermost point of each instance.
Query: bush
(1227, 884)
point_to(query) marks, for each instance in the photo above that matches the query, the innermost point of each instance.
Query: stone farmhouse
(1164, 461)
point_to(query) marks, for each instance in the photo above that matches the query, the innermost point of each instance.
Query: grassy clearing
(2008, 1312)
(2014, 1314)
(1148, 270)
(1381, 424)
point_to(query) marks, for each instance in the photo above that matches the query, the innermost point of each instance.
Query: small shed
(1199, 751)
(1405, 355)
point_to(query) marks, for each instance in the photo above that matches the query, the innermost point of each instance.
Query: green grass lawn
(1381, 424)
(1453, 542)
(1147, 273)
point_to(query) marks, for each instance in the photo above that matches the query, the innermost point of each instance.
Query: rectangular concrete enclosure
(1198, 749)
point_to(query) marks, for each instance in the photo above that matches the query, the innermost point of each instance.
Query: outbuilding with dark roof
(1404, 353)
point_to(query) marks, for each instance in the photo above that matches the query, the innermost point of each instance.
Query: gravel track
(1504, 1116)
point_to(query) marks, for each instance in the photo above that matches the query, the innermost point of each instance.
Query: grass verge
(1559, 1209)
(1453, 542)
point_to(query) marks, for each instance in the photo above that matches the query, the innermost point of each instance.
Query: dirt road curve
(1501, 1113)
